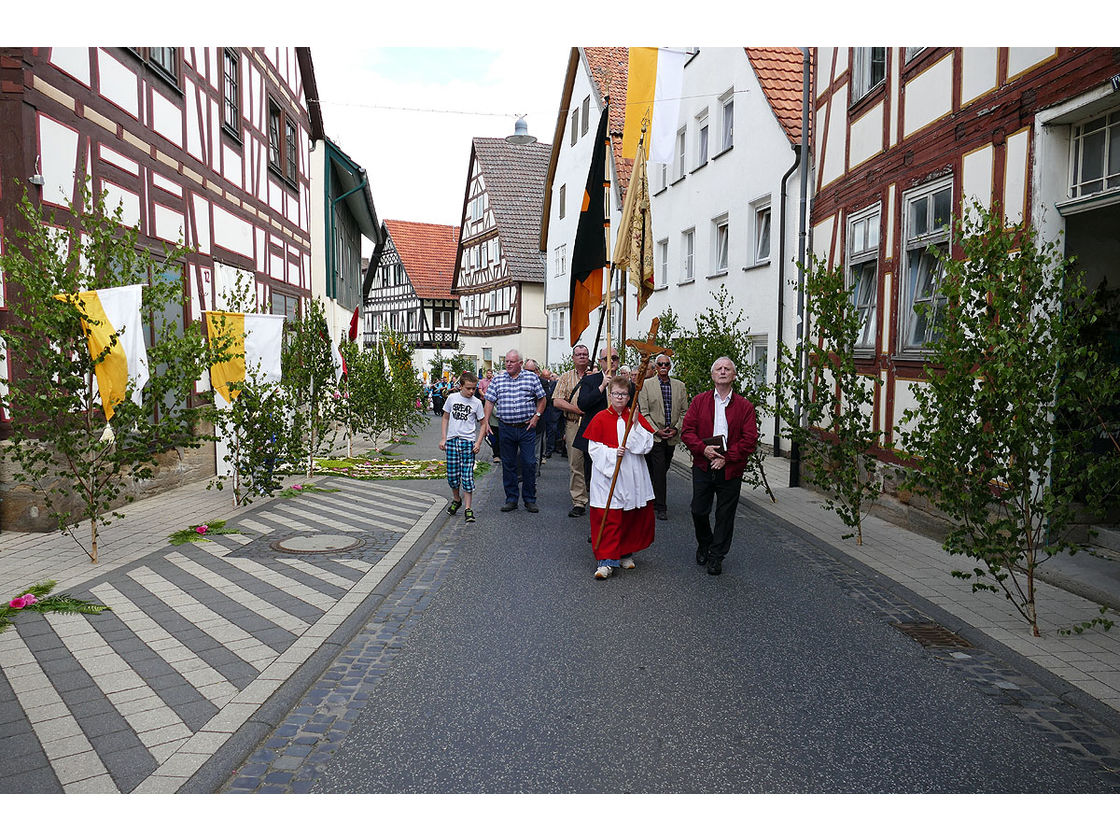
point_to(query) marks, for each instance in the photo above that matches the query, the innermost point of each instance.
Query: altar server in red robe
(629, 520)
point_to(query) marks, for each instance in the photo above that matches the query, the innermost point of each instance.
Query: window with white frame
(1095, 156)
(720, 244)
(661, 271)
(927, 215)
(869, 68)
(759, 358)
(727, 121)
(688, 256)
(441, 319)
(761, 231)
(561, 260)
(557, 321)
(680, 152)
(911, 52)
(863, 271)
(562, 199)
(474, 209)
(585, 109)
(702, 138)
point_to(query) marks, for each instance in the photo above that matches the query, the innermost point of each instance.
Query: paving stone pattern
(140, 697)
(1092, 744)
(295, 754)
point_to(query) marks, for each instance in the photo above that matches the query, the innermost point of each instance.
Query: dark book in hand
(718, 442)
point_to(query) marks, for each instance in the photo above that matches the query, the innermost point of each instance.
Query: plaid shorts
(460, 464)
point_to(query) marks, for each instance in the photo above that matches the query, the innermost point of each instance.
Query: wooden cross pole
(648, 349)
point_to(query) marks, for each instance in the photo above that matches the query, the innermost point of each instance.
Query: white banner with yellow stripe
(109, 314)
(255, 342)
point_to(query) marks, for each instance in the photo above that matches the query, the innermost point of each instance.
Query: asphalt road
(524, 674)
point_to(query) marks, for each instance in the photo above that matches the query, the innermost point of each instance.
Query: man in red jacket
(721, 432)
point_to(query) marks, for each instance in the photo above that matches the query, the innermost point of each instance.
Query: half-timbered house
(408, 288)
(342, 213)
(207, 145)
(905, 137)
(499, 269)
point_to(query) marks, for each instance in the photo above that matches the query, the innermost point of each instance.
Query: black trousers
(658, 460)
(709, 486)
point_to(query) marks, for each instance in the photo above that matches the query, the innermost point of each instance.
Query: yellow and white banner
(255, 342)
(654, 80)
(115, 312)
(633, 250)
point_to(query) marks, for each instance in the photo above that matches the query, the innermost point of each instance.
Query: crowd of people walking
(619, 436)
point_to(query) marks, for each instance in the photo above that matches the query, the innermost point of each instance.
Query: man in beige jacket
(563, 398)
(663, 400)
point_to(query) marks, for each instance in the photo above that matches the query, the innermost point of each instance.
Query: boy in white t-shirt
(461, 436)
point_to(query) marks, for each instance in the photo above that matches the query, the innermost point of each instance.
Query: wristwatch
(537, 414)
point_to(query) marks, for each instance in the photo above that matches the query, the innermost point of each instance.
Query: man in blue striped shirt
(519, 400)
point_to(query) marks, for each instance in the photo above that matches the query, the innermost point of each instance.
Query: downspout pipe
(782, 301)
(795, 449)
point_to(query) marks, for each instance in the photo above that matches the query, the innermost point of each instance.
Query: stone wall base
(24, 508)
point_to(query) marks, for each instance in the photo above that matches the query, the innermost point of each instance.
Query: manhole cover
(931, 635)
(317, 543)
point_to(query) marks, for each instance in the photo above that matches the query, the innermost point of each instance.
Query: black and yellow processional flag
(589, 255)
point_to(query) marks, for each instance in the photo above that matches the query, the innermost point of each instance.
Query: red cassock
(629, 521)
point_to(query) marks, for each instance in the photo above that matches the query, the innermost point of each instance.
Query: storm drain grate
(931, 635)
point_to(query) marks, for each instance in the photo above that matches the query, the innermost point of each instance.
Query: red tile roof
(427, 253)
(779, 71)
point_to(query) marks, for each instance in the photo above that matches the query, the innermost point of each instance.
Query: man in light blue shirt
(519, 401)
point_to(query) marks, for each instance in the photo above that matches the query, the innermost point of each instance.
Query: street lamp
(521, 134)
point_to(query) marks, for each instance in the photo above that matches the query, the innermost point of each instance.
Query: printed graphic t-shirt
(463, 416)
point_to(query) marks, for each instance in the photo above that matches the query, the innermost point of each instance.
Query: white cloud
(413, 136)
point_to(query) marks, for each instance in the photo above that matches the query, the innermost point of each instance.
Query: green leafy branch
(37, 598)
(201, 533)
(298, 489)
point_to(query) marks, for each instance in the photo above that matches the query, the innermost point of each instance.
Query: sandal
(453, 508)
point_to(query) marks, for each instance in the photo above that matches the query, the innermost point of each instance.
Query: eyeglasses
(620, 394)
(613, 358)
(662, 364)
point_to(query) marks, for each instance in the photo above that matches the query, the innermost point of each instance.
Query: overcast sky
(407, 115)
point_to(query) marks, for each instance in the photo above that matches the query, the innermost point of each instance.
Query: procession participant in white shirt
(629, 521)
